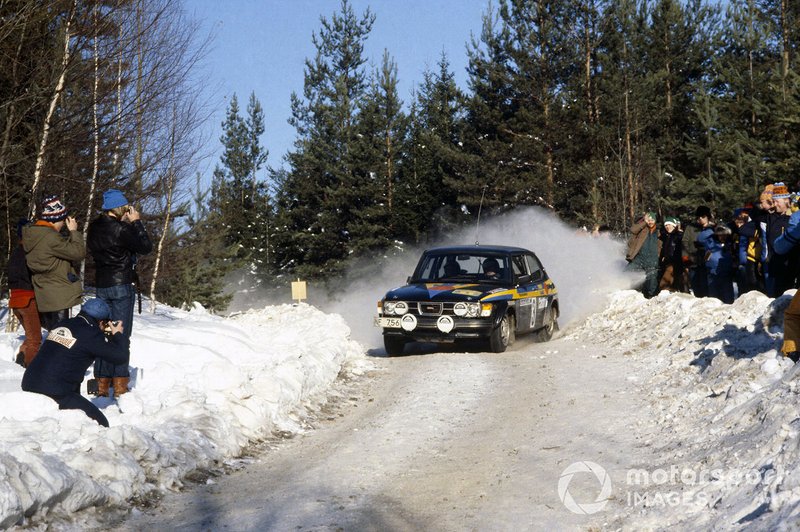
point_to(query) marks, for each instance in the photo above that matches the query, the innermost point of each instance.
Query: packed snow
(723, 422)
(203, 388)
(721, 397)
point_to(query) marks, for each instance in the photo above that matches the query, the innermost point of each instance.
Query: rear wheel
(394, 345)
(550, 327)
(501, 335)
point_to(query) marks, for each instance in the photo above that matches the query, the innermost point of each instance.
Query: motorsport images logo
(586, 508)
(667, 486)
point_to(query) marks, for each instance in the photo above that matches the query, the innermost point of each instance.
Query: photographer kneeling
(70, 348)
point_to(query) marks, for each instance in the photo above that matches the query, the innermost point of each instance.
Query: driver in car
(491, 268)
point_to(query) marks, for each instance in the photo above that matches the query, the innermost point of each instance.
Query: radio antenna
(478, 223)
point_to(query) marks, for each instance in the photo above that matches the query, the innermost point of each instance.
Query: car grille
(429, 309)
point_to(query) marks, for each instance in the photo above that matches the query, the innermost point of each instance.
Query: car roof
(477, 249)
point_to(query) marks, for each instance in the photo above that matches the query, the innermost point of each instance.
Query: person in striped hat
(670, 261)
(49, 255)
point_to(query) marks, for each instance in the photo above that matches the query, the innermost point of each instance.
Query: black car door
(539, 303)
(525, 303)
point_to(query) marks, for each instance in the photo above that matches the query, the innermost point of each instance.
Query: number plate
(388, 323)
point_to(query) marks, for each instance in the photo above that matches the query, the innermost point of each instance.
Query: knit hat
(113, 198)
(780, 190)
(97, 309)
(52, 209)
(766, 194)
(671, 220)
(704, 211)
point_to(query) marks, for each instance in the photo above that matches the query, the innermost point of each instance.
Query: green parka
(49, 254)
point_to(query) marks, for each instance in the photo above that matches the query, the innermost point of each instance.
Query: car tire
(394, 345)
(545, 334)
(501, 335)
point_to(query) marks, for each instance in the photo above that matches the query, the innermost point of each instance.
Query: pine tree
(239, 198)
(434, 161)
(516, 74)
(381, 132)
(199, 261)
(316, 210)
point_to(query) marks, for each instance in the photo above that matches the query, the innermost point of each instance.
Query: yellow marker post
(299, 290)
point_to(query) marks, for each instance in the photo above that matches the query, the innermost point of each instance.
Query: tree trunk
(40, 156)
(785, 47)
(628, 144)
(170, 191)
(10, 118)
(95, 131)
(139, 155)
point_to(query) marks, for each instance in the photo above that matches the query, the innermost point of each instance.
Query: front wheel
(545, 334)
(500, 338)
(394, 345)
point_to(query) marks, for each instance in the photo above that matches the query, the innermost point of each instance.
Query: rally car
(486, 293)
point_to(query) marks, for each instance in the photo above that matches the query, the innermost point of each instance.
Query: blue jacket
(720, 257)
(67, 353)
(790, 237)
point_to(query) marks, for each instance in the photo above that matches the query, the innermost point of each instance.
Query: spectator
(671, 258)
(719, 263)
(115, 237)
(49, 254)
(784, 245)
(780, 269)
(644, 248)
(749, 275)
(695, 252)
(69, 350)
(22, 301)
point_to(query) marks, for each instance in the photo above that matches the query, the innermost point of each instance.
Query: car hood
(444, 292)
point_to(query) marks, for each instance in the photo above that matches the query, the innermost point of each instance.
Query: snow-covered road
(435, 441)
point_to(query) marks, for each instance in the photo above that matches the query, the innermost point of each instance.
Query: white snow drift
(203, 388)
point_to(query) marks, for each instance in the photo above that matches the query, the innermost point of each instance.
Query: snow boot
(120, 385)
(103, 384)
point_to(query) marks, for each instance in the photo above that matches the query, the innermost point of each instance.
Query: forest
(594, 109)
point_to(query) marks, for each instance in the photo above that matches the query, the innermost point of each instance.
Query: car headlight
(467, 310)
(460, 309)
(396, 308)
(486, 310)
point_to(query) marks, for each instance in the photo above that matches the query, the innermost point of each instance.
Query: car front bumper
(428, 329)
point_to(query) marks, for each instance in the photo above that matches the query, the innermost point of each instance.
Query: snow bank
(203, 387)
(724, 408)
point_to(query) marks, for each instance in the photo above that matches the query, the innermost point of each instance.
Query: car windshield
(462, 267)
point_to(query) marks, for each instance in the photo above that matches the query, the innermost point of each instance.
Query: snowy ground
(204, 388)
(723, 418)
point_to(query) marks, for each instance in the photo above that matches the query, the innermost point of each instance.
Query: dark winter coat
(693, 248)
(671, 247)
(639, 236)
(67, 353)
(49, 255)
(19, 276)
(114, 245)
(775, 226)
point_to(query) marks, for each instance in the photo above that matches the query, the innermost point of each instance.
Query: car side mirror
(536, 276)
(523, 279)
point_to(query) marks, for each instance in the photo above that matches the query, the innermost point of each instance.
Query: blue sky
(261, 46)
